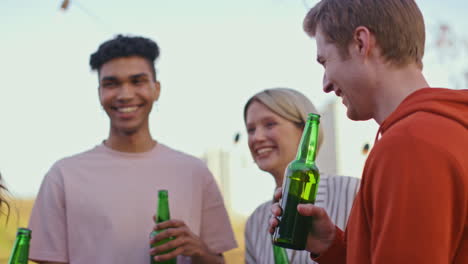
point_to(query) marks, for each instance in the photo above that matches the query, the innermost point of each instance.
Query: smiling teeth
(263, 150)
(127, 109)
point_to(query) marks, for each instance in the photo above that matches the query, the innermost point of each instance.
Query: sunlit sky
(214, 56)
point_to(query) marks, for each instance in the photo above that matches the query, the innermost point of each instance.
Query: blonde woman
(274, 119)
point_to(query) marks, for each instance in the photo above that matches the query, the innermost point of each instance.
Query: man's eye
(270, 124)
(138, 81)
(250, 130)
(109, 84)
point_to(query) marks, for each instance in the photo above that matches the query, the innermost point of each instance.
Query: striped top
(335, 194)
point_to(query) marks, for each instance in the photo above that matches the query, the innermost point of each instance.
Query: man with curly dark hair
(98, 206)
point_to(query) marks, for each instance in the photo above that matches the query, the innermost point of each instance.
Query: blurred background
(215, 54)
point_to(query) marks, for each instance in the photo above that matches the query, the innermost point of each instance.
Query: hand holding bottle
(321, 231)
(184, 242)
(300, 186)
(163, 214)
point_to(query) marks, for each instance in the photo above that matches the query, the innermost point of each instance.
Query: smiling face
(350, 78)
(127, 90)
(272, 139)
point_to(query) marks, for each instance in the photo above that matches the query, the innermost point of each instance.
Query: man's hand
(185, 243)
(321, 232)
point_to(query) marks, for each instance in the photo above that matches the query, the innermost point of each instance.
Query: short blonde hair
(287, 103)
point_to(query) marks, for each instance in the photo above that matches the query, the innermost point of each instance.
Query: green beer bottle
(162, 215)
(20, 253)
(280, 255)
(299, 186)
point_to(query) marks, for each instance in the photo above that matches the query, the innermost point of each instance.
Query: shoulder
(422, 129)
(417, 153)
(331, 181)
(74, 161)
(257, 223)
(415, 136)
(172, 155)
(88, 154)
(260, 214)
(262, 208)
(63, 169)
(191, 166)
(340, 189)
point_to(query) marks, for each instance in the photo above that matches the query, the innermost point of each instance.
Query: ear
(99, 86)
(156, 91)
(363, 41)
(99, 93)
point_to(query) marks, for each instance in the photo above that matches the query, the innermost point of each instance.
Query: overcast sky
(214, 56)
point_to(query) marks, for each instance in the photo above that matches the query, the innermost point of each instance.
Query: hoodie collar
(452, 104)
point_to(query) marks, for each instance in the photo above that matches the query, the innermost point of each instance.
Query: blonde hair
(287, 103)
(3, 200)
(398, 26)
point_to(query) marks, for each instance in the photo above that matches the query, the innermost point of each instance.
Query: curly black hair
(125, 46)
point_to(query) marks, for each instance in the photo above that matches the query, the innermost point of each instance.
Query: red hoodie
(413, 203)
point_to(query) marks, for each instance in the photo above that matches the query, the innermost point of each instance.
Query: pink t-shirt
(97, 206)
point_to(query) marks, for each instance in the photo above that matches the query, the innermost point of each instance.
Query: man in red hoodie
(413, 203)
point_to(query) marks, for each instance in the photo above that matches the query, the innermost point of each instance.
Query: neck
(136, 142)
(394, 86)
(278, 176)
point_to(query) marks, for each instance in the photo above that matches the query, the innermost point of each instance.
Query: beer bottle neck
(20, 251)
(307, 149)
(23, 235)
(163, 207)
